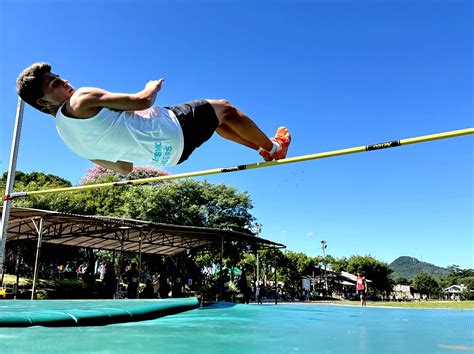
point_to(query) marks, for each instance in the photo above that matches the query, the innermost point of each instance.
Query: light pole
(258, 261)
(324, 245)
(257, 233)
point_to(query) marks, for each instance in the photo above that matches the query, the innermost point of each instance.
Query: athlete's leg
(226, 132)
(236, 126)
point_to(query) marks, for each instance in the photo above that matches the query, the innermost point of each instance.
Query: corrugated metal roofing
(117, 234)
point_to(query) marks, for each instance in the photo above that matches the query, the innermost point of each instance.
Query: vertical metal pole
(119, 273)
(139, 262)
(276, 284)
(10, 180)
(258, 278)
(258, 261)
(38, 253)
(258, 268)
(222, 266)
(324, 245)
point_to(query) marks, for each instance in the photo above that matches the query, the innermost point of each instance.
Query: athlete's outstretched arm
(119, 166)
(87, 98)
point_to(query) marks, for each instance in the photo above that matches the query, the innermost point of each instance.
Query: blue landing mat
(66, 313)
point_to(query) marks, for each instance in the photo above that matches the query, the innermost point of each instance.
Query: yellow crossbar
(321, 155)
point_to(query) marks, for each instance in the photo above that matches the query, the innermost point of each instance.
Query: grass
(47, 283)
(430, 304)
(11, 279)
(45, 287)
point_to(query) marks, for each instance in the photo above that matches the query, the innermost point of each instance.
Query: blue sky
(336, 73)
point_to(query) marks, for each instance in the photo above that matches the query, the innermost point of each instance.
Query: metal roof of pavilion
(117, 234)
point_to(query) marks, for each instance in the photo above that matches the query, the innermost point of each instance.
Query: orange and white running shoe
(266, 155)
(283, 138)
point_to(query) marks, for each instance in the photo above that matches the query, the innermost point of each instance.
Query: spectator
(110, 281)
(88, 279)
(149, 291)
(164, 286)
(361, 286)
(131, 277)
(257, 293)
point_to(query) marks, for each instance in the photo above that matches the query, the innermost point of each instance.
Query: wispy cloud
(310, 233)
(284, 232)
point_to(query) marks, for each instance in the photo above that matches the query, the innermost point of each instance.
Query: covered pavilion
(117, 234)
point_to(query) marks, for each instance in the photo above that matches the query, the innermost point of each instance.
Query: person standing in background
(361, 286)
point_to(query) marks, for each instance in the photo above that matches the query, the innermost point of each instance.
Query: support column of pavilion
(119, 273)
(39, 230)
(139, 260)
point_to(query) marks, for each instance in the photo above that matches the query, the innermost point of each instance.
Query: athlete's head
(42, 89)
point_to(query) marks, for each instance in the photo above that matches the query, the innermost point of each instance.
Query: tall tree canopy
(183, 202)
(373, 269)
(426, 284)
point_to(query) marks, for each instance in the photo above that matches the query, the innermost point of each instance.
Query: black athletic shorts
(198, 121)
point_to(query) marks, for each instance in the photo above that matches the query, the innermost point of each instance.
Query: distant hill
(410, 267)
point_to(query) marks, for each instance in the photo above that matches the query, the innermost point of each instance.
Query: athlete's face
(56, 90)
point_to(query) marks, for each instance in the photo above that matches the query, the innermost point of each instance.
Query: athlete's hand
(154, 85)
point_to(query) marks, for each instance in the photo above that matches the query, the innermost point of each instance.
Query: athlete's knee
(224, 104)
(229, 111)
(225, 111)
(221, 104)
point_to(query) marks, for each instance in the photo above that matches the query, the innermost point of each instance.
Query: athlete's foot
(266, 155)
(283, 138)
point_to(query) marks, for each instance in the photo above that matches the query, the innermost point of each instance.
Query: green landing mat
(67, 313)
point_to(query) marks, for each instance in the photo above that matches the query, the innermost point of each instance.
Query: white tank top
(152, 136)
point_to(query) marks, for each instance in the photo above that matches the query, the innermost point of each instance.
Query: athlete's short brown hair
(29, 84)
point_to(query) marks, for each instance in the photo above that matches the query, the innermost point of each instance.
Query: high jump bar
(320, 155)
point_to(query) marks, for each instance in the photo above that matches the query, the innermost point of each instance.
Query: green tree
(426, 284)
(248, 261)
(184, 202)
(338, 265)
(269, 259)
(457, 276)
(295, 266)
(36, 179)
(401, 281)
(31, 182)
(467, 281)
(373, 269)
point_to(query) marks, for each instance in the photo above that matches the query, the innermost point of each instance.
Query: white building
(453, 292)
